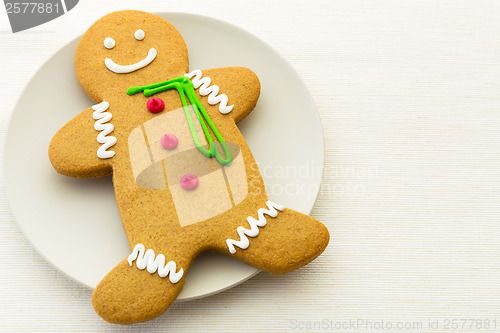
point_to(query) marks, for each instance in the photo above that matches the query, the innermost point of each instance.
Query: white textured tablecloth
(408, 93)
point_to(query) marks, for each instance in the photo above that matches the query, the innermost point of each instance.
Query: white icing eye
(109, 43)
(140, 34)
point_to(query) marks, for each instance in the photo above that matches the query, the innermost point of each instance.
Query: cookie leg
(140, 287)
(277, 240)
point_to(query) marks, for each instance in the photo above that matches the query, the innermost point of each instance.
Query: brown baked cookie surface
(185, 179)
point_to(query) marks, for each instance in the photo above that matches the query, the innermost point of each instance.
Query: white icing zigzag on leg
(102, 118)
(207, 89)
(147, 259)
(244, 243)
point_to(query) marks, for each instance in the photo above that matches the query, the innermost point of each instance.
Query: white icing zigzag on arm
(102, 118)
(147, 259)
(207, 89)
(244, 243)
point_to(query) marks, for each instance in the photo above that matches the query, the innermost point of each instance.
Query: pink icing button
(155, 105)
(169, 141)
(189, 181)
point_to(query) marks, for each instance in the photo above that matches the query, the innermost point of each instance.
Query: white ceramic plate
(74, 223)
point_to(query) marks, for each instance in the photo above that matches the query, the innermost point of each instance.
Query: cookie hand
(73, 150)
(239, 100)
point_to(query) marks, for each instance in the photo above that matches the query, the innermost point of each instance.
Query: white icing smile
(120, 69)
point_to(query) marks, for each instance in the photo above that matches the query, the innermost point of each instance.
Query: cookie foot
(138, 291)
(286, 240)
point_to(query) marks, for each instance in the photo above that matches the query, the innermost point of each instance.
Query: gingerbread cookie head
(128, 48)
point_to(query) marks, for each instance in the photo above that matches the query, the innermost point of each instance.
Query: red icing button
(155, 105)
(189, 181)
(169, 141)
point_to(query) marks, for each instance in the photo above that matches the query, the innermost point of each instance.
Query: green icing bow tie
(185, 88)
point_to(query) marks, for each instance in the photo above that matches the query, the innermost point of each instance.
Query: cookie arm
(73, 149)
(239, 84)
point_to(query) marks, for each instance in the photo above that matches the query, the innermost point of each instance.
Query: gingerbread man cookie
(185, 180)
